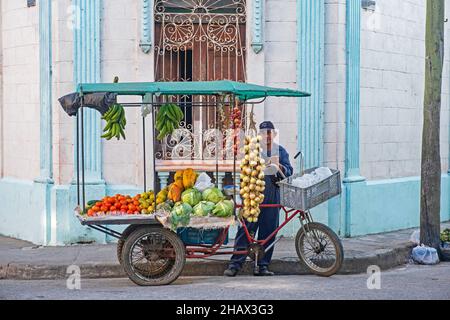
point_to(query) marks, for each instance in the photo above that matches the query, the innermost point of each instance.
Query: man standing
(268, 221)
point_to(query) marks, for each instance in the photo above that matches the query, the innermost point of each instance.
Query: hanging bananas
(115, 122)
(168, 120)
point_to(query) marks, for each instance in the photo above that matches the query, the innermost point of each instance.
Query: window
(198, 40)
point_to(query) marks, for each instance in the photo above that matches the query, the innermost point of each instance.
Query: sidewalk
(22, 260)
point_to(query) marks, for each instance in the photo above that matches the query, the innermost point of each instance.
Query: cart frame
(239, 94)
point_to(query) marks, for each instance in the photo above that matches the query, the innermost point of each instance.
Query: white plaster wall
(335, 86)
(392, 88)
(1, 94)
(20, 99)
(280, 51)
(63, 125)
(122, 57)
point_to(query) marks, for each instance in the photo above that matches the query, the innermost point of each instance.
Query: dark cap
(267, 125)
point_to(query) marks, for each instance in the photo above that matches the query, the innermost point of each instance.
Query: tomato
(137, 212)
(124, 208)
(130, 212)
(96, 208)
(112, 208)
(123, 202)
(99, 204)
(104, 208)
(136, 203)
(90, 213)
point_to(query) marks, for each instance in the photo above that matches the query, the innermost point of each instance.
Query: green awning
(244, 91)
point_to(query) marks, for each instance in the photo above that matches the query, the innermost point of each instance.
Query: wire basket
(307, 198)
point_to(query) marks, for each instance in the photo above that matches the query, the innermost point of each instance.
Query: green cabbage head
(213, 195)
(203, 208)
(223, 209)
(191, 196)
(181, 215)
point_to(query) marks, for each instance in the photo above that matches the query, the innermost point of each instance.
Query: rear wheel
(319, 249)
(121, 241)
(153, 256)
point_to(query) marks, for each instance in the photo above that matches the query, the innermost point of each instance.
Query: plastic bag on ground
(203, 182)
(425, 255)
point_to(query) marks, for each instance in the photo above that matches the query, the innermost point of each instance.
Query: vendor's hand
(271, 169)
(274, 160)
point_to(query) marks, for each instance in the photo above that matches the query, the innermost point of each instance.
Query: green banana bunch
(168, 119)
(115, 122)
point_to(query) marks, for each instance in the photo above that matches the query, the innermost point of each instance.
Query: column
(45, 58)
(164, 179)
(257, 25)
(221, 178)
(353, 53)
(146, 25)
(311, 25)
(87, 40)
(44, 182)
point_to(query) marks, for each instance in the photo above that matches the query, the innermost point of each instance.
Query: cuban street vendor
(276, 157)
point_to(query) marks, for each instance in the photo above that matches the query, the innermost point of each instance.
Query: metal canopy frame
(80, 152)
(240, 93)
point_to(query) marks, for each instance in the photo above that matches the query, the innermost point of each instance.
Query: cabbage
(203, 208)
(223, 209)
(213, 195)
(165, 206)
(191, 196)
(181, 215)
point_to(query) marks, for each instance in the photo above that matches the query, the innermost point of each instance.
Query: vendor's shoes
(231, 272)
(263, 272)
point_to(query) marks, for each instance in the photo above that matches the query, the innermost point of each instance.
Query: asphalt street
(407, 282)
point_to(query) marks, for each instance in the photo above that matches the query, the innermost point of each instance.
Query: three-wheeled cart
(154, 255)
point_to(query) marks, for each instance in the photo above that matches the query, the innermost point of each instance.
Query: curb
(385, 259)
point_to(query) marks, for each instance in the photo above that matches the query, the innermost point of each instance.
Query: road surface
(407, 282)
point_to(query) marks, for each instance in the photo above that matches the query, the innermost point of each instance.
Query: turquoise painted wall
(23, 214)
(388, 205)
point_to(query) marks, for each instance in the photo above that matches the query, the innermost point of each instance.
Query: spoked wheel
(121, 241)
(319, 249)
(153, 256)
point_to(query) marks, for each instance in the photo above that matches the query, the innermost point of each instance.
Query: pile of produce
(115, 122)
(168, 120)
(143, 203)
(210, 203)
(184, 201)
(180, 200)
(252, 179)
(445, 235)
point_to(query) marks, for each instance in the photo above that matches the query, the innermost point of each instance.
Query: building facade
(363, 64)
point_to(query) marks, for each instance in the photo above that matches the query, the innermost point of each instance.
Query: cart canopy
(244, 91)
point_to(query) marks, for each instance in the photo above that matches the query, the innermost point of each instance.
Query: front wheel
(153, 256)
(319, 249)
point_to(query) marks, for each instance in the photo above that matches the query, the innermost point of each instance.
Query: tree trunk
(430, 200)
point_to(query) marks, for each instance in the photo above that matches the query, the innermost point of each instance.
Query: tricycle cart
(154, 255)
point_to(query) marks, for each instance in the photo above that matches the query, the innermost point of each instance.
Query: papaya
(174, 192)
(178, 179)
(178, 175)
(189, 178)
